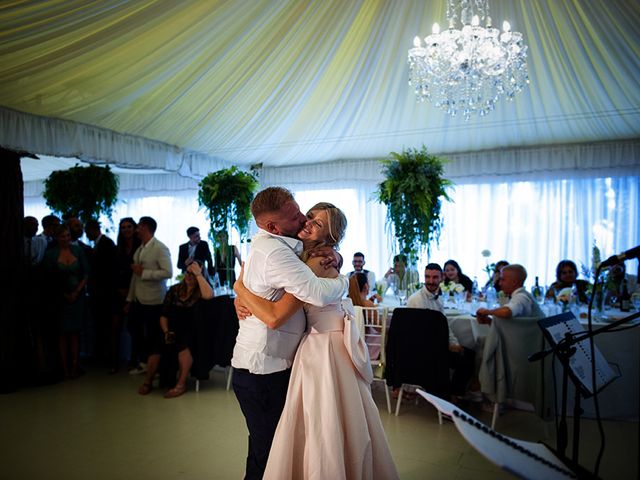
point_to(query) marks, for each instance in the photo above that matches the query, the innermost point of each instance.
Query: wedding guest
(226, 256)
(617, 276)
(359, 295)
(49, 224)
(34, 245)
(195, 249)
(461, 359)
(35, 316)
(453, 274)
(76, 228)
(358, 264)
(402, 277)
(359, 291)
(67, 271)
(177, 324)
(521, 304)
(494, 281)
(151, 269)
(127, 244)
(102, 287)
(567, 277)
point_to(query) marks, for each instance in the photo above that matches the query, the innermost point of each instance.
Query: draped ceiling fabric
(192, 86)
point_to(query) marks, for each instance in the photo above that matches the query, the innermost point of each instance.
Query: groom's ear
(271, 227)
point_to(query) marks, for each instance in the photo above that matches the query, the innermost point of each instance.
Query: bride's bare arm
(272, 314)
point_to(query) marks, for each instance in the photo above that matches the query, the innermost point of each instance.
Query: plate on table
(452, 312)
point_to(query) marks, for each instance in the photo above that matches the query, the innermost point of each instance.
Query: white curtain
(519, 215)
(536, 223)
(174, 210)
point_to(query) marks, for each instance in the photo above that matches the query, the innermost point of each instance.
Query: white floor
(98, 427)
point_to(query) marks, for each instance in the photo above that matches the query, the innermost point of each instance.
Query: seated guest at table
(195, 249)
(176, 322)
(521, 303)
(615, 283)
(226, 256)
(359, 295)
(461, 359)
(494, 281)
(358, 264)
(401, 277)
(453, 273)
(566, 277)
(359, 291)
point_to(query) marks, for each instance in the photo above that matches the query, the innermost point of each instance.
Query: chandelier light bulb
(475, 21)
(435, 29)
(416, 41)
(506, 26)
(489, 22)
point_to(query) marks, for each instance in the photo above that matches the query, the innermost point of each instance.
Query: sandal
(145, 389)
(175, 391)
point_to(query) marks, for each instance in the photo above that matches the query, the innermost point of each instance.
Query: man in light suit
(262, 357)
(195, 249)
(151, 269)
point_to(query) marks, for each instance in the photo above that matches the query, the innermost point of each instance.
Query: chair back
(505, 371)
(372, 322)
(418, 350)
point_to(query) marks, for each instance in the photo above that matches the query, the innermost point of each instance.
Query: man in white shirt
(151, 268)
(358, 267)
(400, 276)
(262, 357)
(461, 359)
(521, 302)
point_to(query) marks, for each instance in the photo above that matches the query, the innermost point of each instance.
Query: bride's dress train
(330, 427)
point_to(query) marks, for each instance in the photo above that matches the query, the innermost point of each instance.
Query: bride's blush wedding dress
(330, 427)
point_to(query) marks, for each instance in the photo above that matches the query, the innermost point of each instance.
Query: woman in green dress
(67, 270)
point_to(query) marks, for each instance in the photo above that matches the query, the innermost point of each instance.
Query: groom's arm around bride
(262, 357)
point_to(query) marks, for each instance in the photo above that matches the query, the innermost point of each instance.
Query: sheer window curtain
(175, 211)
(536, 223)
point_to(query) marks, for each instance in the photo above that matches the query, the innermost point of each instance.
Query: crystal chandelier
(466, 71)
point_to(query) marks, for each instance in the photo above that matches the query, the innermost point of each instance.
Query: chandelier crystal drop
(467, 71)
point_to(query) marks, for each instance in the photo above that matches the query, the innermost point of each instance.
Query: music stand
(569, 340)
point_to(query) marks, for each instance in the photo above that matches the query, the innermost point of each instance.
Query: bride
(330, 426)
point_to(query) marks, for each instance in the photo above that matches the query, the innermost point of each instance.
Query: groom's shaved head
(276, 211)
(270, 200)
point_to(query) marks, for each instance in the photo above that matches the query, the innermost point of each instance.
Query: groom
(262, 357)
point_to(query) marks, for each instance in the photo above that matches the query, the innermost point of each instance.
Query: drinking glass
(635, 299)
(402, 296)
(541, 297)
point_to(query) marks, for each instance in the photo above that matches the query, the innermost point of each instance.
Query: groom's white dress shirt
(272, 268)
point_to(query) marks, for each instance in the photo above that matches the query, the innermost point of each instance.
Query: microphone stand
(565, 350)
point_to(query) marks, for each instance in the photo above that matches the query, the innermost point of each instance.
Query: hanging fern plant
(227, 196)
(83, 192)
(412, 192)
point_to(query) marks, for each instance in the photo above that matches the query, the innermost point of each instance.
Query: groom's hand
(330, 258)
(241, 310)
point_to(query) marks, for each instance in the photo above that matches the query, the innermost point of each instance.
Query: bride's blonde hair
(336, 223)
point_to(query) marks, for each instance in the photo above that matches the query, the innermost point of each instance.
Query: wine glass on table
(402, 296)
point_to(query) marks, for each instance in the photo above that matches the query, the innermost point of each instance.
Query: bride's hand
(238, 285)
(330, 257)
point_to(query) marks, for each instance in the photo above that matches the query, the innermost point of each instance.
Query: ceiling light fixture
(468, 70)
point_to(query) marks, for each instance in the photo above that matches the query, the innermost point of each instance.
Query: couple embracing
(301, 372)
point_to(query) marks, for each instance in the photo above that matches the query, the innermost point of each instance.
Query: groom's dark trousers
(261, 399)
